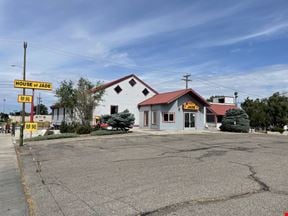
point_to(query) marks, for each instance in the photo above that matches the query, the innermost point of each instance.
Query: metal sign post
(23, 105)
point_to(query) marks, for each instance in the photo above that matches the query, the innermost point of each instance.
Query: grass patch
(53, 136)
(108, 132)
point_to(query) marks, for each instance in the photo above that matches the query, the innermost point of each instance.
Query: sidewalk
(167, 132)
(12, 199)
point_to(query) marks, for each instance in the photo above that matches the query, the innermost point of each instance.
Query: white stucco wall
(57, 120)
(128, 98)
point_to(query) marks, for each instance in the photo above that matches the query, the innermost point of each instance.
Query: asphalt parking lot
(196, 174)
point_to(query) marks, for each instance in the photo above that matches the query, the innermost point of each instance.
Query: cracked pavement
(196, 174)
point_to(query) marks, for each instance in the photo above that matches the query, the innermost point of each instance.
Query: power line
(55, 50)
(234, 89)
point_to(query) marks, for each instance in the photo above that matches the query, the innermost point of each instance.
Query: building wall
(150, 109)
(200, 116)
(176, 108)
(128, 98)
(224, 99)
(171, 108)
(57, 119)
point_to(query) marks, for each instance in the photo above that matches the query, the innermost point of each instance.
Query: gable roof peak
(107, 85)
(168, 97)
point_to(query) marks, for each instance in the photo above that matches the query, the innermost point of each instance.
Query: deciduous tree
(79, 99)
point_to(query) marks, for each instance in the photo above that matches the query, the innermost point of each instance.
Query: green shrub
(107, 132)
(68, 127)
(54, 136)
(63, 127)
(278, 129)
(235, 120)
(83, 129)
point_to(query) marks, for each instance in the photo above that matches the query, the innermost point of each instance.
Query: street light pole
(23, 104)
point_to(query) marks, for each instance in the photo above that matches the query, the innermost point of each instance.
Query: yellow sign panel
(190, 106)
(30, 126)
(32, 85)
(25, 98)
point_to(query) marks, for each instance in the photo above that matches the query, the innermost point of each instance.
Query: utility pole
(186, 79)
(23, 104)
(39, 101)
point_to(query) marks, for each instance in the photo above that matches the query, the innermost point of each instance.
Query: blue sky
(225, 45)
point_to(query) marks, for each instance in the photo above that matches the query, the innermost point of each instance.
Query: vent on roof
(132, 82)
(118, 89)
(145, 92)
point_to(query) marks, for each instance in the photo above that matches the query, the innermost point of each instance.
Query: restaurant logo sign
(25, 98)
(190, 106)
(30, 126)
(32, 85)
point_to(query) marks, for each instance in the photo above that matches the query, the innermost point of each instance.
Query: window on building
(57, 113)
(145, 92)
(210, 118)
(154, 118)
(168, 117)
(132, 82)
(221, 100)
(113, 109)
(118, 89)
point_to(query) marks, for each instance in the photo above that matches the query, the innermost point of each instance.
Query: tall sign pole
(32, 108)
(23, 104)
(32, 111)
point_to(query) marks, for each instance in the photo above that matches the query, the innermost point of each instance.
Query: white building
(124, 93)
(218, 108)
(121, 94)
(223, 99)
(60, 114)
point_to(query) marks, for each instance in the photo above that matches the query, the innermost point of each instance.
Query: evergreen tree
(235, 120)
(123, 120)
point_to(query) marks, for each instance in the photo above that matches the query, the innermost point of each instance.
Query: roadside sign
(31, 126)
(25, 98)
(32, 85)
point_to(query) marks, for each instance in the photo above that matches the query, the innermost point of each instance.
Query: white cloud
(262, 32)
(191, 17)
(258, 83)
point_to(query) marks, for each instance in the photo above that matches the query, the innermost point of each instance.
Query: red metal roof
(168, 97)
(220, 109)
(106, 85)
